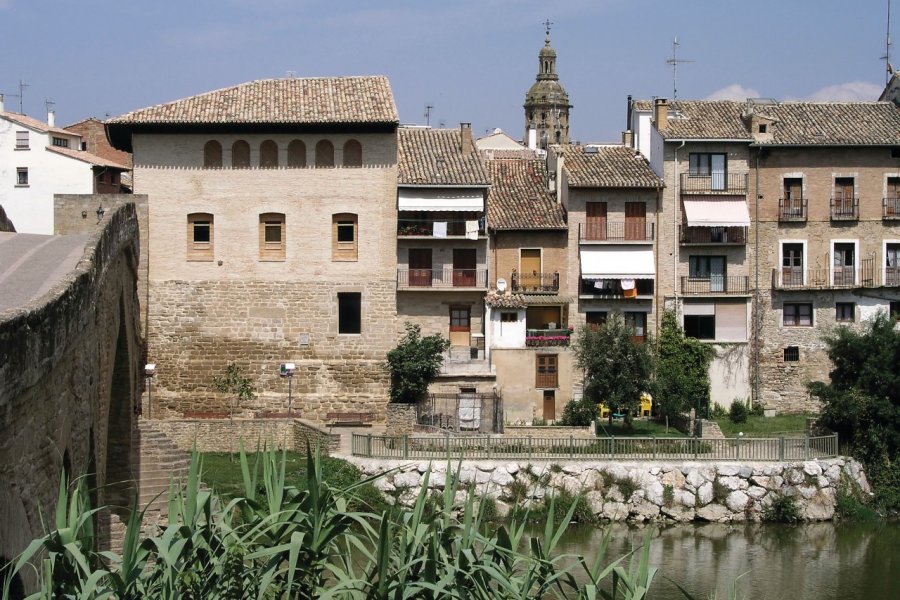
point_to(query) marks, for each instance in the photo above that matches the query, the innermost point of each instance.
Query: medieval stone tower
(547, 102)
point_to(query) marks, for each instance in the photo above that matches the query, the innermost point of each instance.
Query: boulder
(654, 493)
(812, 468)
(677, 513)
(705, 493)
(674, 478)
(756, 492)
(714, 513)
(821, 505)
(502, 477)
(512, 468)
(737, 501)
(695, 479)
(615, 511)
(595, 501)
(732, 483)
(644, 511)
(729, 470)
(685, 498)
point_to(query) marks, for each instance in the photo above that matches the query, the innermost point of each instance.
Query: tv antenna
(20, 95)
(674, 62)
(49, 104)
(888, 67)
(428, 109)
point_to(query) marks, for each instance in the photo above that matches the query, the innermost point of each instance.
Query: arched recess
(324, 154)
(240, 155)
(296, 154)
(119, 477)
(268, 154)
(212, 155)
(352, 154)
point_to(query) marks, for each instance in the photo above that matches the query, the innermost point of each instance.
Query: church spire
(547, 102)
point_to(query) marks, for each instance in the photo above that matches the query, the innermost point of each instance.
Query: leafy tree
(579, 413)
(233, 382)
(862, 401)
(682, 369)
(617, 369)
(415, 363)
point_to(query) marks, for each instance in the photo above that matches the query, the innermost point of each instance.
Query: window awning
(471, 200)
(623, 262)
(717, 212)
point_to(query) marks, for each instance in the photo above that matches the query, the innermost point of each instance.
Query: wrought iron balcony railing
(729, 184)
(791, 209)
(534, 282)
(442, 278)
(844, 209)
(716, 284)
(867, 275)
(736, 236)
(611, 231)
(890, 208)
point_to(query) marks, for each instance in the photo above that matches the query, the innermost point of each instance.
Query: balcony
(442, 279)
(712, 236)
(425, 228)
(611, 289)
(800, 278)
(547, 337)
(638, 231)
(890, 209)
(716, 285)
(845, 209)
(547, 283)
(720, 184)
(791, 209)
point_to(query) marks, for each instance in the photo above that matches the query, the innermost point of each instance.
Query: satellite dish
(501, 285)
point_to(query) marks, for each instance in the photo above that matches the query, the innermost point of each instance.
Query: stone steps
(162, 462)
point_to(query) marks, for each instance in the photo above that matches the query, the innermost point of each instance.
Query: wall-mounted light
(100, 212)
(149, 372)
(84, 214)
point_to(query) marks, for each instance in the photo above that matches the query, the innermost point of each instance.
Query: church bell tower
(547, 102)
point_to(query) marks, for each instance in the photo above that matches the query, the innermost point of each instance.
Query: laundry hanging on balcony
(472, 230)
(439, 229)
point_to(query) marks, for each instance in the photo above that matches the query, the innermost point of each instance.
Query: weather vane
(547, 25)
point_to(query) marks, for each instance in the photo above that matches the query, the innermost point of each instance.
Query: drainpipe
(756, 311)
(676, 247)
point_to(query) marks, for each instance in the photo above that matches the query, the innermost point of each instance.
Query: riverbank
(720, 492)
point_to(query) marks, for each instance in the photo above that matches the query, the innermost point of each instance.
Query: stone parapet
(224, 435)
(521, 431)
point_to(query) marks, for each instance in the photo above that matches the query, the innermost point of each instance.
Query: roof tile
(519, 197)
(435, 157)
(607, 167)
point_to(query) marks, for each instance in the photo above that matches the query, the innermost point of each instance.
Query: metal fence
(480, 447)
(460, 412)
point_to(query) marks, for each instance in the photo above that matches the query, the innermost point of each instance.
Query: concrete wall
(70, 379)
(516, 377)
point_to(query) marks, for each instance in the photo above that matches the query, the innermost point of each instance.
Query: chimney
(51, 118)
(465, 135)
(628, 138)
(661, 113)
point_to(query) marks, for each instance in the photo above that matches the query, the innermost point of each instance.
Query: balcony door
(844, 260)
(420, 267)
(635, 220)
(717, 171)
(843, 196)
(596, 220)
(792, 264)
(530, 269)
(892, 265)
(464, 267)
(460, 325)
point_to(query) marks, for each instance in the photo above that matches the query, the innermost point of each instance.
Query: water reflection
(815, 561)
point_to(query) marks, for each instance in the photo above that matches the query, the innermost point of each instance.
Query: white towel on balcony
(440, 229)
(472, 230)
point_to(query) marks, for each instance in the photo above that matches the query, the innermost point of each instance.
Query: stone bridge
(70, 372)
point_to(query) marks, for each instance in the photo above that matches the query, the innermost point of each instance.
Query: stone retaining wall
(223, 435)
(682, 492)
(519, 431)
(401, 419)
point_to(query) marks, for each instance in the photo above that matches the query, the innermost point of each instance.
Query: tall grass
(279, 541)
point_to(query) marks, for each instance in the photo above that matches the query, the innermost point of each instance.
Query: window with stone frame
(507, 316)
(349, 312)
(272, 237)
(324, 154)
(845, 312)
(212, 155)
(344, 237)
(791, 354)
(200, 237)
(797, 314)
(352, 154)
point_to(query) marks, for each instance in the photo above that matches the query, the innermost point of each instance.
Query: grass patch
(757, 426)
(783, 509)
(640, 428)
(851, 502)
(540, 512)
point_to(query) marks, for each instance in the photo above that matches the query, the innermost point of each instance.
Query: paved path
(31, 264)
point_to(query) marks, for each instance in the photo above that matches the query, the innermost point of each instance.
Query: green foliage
(758, 410)
(738, 411)
(668, 495)
(720, 491)
(682, 369)
(851, 502)
(234, 383)
(717, 412)
(862, 401)
(579, 413)
(415, 363)
(783, 509)
(627, 486)
(617, 369)
(289, 542)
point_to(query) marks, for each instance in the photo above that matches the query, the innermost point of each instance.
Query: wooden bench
(360, 419)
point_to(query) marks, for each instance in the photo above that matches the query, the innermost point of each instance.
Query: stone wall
(401, 419)
(224, 435)
(520, 431)
(682, 492)
(69, 383)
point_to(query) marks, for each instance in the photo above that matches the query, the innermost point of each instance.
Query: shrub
(415, 363)
(783, 509)
(579, 413)
(758, 410)
(851, 503)
(608, 478)
(668, 495)
(717, 412)
(738, 411)
(720, 492)
(487, 509)
(627, 486)
(516, 492)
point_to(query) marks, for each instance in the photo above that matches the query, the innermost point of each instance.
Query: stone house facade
(244, 186)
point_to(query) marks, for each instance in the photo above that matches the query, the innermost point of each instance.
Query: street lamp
(287, 370)
(149, 372)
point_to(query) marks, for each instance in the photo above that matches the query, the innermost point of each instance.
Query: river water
(765, 561)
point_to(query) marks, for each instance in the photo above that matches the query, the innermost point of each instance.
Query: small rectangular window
(22, 176)
(349, 312)
(61, 142)
(792, 354)
(845, 312)
(595, 319)
(797, 314)
(509, 317)
(22, 140)
(271, 237)
(200, 237)
(701, 327)
(344, 239)
(763, 128)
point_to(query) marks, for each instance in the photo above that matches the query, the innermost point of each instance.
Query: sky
(472, 60)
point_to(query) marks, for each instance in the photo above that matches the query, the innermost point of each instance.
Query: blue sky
(473, 60)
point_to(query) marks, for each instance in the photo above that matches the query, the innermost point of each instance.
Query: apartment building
(270, 207)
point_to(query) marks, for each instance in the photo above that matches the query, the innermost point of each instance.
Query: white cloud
(735, 91)
(854, 90)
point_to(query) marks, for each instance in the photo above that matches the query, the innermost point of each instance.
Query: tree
(415, 363)
(234, 383)
(862, 401)
(682, 370)
(617, 369)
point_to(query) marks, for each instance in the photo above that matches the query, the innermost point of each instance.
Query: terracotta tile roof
(607, 166)
(293, 100)
(33, 123)
(706, 119)
(519, 196)
(833, 123)
(87, 157)
(435, 157)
